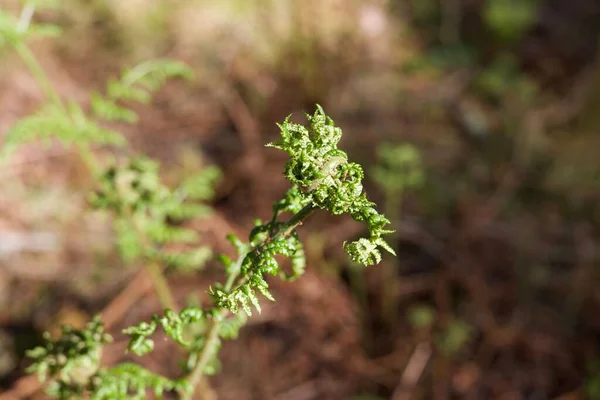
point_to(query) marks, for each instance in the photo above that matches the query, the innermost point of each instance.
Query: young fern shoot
(321, 178)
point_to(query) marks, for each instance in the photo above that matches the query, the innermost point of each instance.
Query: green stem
(234, 280)
(160, 283)
(39, 75)
(212, 338)
(45, 84)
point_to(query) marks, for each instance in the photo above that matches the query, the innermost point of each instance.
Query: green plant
(74, 358)
(503, 79)
(510, 19)
(456, 335)
(131, 188)
(421, 316)
(399, 168)
(143, 210)
(322, 178)
(592, 382)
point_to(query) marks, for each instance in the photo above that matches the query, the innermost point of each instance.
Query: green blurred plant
(425, 11)
(510, 19)
(421, 316)
(456, 335)
(503, 79)
(73, 361)
(144, 209)
(321, 178)
(592, 384)
(399, 168)
(451, 339)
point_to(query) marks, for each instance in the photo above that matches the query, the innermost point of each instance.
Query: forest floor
(493, 291)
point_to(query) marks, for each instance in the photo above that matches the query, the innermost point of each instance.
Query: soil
(493, 243)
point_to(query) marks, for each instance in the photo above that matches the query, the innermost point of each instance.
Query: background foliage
(478, 121)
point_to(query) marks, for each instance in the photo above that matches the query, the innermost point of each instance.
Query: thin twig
(413, 372)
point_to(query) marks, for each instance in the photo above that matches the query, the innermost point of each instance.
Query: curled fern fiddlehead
(321, 178)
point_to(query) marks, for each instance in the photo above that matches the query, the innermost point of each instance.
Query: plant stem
(39, 75)
(31, 62)
(45, 84)
(160, 283)
(234, 280)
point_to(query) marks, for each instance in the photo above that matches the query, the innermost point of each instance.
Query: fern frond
(74, 356)
(51, 122)
(117, 90)
(188, 261)
(230, 328)
(399, 168)
(139, 82)
(128, 241)
(136, 84)
(110, 111)
(153, 74)
(11, 33)
(171, 322)
(161, 233)
(184, 211)
(131, 381)
(201, 186)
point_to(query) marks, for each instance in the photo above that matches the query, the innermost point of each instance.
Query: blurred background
(476, 121)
